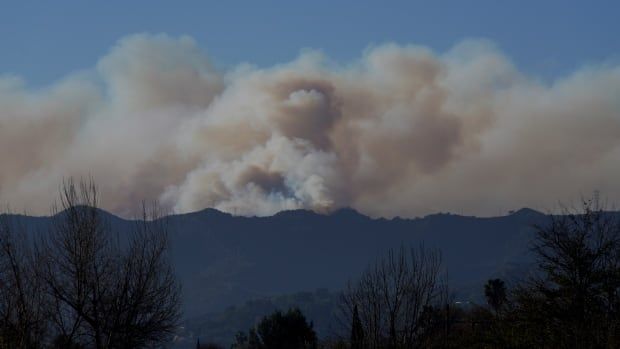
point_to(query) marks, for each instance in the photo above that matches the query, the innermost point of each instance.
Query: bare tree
(393, 297)
(107, 290)
(23, 306)
(574, 299)
(147, 296)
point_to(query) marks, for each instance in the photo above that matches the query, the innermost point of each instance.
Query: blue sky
(43, 41)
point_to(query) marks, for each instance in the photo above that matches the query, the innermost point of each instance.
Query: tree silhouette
(81, 285)
(495, 293)
(357, 331)
(108, 292)
(23, 307)
(574, 299)
(392, 298)
(279, 330)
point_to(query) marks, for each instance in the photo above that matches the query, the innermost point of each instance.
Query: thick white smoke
(401, 131)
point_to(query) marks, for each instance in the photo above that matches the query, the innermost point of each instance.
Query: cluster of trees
(288, 330)
(571, 300)
(394, 303)
(221, 327)
(83, 285)
(279, 331)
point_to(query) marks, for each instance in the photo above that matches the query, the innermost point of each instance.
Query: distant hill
(225, 260)
(320, 307)
(230, 265)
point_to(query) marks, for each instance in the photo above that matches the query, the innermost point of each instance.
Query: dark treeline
(81, 285)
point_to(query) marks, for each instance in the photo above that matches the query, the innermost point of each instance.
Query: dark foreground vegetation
(81, 284)
(571, 300)
(321, 306)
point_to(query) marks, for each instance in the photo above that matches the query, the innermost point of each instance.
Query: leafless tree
(394, 296)
(23, 306)
(574, 298)
(107, 289)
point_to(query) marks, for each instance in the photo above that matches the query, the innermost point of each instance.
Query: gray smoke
(401, 131)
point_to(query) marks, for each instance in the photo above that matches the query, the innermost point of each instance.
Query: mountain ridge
(223, 260)
(210, 211)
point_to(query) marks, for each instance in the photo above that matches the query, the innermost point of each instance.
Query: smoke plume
(401, 131)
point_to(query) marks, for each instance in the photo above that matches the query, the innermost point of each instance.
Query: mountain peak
(525, 211)
(208, 212)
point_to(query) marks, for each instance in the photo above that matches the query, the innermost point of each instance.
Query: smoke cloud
(401, 131)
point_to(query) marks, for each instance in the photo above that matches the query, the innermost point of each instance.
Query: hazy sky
(404, 109)
(546, 38)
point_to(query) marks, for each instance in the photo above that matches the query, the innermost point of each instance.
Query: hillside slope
(224, 260)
